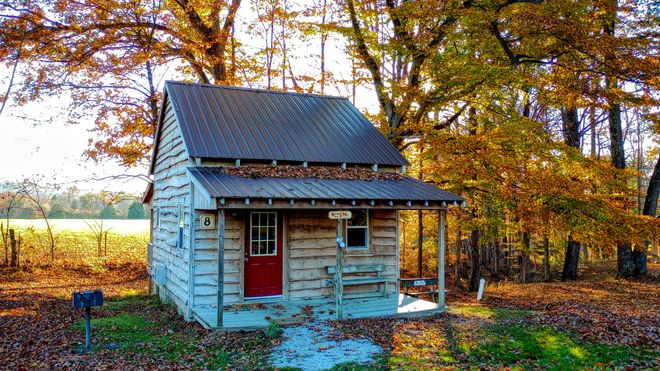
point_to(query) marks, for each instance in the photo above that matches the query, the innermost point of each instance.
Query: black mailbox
(87, 299)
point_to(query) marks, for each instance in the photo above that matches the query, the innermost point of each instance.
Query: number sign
(207, 221)
(340, 214)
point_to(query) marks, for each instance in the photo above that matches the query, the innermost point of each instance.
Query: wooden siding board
(171, 188)
(312, 247)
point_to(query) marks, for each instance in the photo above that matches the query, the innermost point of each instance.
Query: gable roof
(220, 122)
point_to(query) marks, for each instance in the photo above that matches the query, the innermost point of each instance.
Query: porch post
(441, 257)
(339, 286)
(221, 267)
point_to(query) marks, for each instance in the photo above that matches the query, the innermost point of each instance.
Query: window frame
(276, 251)
(181, 223)
(366, 237)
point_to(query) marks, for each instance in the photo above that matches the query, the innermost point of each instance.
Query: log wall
(171, 189)
(311, 241)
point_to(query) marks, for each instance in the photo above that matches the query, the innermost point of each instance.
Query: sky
(36, 141)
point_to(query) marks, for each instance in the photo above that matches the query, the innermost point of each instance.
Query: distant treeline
(72, 204)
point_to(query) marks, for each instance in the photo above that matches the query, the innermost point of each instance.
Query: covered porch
(254, 315)
(310, 246)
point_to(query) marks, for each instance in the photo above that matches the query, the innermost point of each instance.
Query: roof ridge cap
(254, 90)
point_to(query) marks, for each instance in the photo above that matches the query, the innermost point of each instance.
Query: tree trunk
(652, 192)
(625, 266)
(4, 243)
(639, 261)
(474, 271)
(14, 251)
(495, 254)
(457, 249)
(524, 258)
(571, 260)
(546, 259)
(571, 125)
(420, 243)
(420, 219)
(625, 263)
(403, 247)
(650, 208)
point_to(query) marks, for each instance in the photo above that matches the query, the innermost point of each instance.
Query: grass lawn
(585, 325)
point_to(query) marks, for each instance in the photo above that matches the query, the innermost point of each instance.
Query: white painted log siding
(171, 188)
(312, 247)
(206, 262)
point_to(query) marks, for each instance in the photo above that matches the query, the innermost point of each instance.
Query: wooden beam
(441, 257)
(279, 204)
(221, 268)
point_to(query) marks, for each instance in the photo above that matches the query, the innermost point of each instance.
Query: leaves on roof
(320, 172)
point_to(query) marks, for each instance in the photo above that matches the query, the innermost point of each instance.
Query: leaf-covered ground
(597, 322)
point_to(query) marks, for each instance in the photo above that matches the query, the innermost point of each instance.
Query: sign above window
(340, 214)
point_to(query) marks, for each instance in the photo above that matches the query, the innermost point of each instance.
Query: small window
(263, 233)
(357, 231)
(157, 217)
(181, 225)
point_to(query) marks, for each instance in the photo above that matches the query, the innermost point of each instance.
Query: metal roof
(219, 184)
(222, 122)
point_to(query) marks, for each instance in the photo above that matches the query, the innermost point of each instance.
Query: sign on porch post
(340, 216)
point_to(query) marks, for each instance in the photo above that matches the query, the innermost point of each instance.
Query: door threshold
(263, 298)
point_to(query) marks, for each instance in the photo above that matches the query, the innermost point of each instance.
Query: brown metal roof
(219, 184)
(236, 123)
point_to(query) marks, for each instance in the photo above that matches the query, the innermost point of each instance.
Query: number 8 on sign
(207, 221)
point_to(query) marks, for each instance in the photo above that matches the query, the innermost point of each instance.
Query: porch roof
(406, 190)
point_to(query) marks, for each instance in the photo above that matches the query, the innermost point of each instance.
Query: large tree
(107, 54)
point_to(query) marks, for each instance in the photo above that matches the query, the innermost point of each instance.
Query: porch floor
(253, 315)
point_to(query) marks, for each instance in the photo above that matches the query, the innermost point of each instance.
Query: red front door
(263, 254)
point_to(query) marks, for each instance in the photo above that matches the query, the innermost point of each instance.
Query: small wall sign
(339, 214)
(207, 221)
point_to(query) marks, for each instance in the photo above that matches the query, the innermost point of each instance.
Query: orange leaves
(321, 172)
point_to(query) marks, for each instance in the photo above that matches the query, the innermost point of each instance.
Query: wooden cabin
(243, 183)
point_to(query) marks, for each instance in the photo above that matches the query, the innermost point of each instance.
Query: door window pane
(255, 248)
(263, 233)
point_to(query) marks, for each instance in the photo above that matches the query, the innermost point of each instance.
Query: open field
(76, 243)
(118, 226)
(595, 323)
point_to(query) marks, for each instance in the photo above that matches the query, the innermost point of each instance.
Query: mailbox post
(88, 299)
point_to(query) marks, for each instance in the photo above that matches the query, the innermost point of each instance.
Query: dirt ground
(596, 322)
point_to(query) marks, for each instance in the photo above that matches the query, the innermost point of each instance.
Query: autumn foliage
(542, 113)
